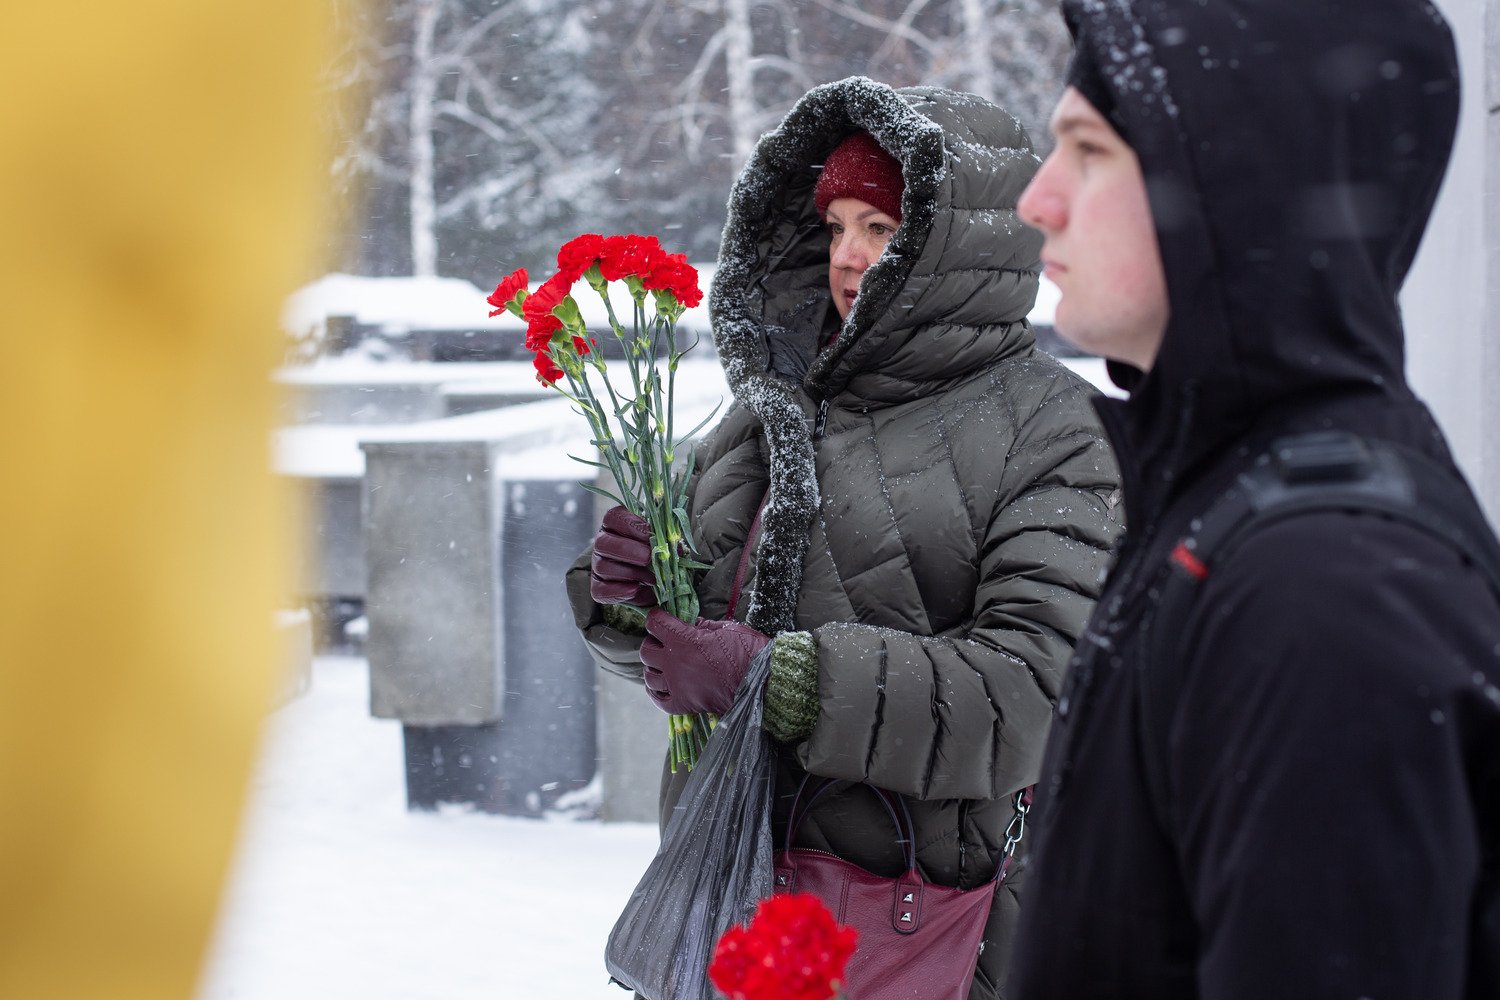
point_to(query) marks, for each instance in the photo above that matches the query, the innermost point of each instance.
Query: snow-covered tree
(484, 118)
(734, 43)
(498, 129)
(1008, 51)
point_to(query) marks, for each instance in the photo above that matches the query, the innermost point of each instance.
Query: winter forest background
(478, 135)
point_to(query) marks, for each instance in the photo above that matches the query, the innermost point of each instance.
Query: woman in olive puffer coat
(939, 501)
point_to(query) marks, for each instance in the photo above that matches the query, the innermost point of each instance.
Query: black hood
(1292, 151)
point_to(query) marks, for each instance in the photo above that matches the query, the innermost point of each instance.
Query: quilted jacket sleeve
(615, 651)
(965, 714)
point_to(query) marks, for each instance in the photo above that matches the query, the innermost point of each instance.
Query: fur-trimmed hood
(948, 297)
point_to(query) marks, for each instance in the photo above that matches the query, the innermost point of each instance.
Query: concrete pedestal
(432, 546)
(471, 644)
(632, 746)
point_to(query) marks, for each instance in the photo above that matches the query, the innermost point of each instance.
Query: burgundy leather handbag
(917, 940)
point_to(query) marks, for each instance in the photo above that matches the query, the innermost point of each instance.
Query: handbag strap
(905, 831)
(739, 574)
(1015, 831)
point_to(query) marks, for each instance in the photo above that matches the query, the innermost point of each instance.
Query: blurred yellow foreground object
(158, 186)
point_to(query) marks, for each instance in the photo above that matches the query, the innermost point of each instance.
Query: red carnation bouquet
(793, 949)
(632, 426)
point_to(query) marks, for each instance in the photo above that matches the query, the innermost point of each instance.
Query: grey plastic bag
(714, 863)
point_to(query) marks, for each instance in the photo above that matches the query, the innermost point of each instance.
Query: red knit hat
(860, 168)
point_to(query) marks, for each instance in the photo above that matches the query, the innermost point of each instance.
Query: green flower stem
(622, 408)
(640, 456)
(689, 734)
(604, 439)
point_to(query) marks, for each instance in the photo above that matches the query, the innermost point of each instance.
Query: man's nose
(1040, 205)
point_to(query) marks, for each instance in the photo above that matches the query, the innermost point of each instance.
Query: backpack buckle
(1325, 456)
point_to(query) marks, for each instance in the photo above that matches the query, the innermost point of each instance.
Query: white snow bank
(397, 305)
(332, 450)
(360, 369)
(338, 891)
(392, 303)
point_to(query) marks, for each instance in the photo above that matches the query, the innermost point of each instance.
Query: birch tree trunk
(424, 81)
(977, 40)
(741, 74)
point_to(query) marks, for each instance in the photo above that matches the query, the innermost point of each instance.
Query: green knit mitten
(792, 689)
(625, 618)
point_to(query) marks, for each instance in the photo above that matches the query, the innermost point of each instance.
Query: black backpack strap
(1301, 474)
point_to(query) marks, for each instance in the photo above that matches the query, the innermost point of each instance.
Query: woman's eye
(879, 229)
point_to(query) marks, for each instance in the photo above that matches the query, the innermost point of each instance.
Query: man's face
(860, 232)
(1089, 200)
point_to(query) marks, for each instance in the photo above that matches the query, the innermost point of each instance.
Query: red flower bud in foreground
(792, 950)
(504, 295)
(578, 255)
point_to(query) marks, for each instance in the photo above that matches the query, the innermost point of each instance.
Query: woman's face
(860, 232)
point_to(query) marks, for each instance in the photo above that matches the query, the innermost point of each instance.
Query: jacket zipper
(822, 420)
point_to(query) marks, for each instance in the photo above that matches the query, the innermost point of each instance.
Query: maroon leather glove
(620, 572)
(696, 668)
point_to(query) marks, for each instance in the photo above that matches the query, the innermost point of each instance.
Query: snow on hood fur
(1292, 154)
(960, 271)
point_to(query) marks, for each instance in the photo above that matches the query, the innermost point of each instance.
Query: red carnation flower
(578, 255)
(621, 256)
(539, 331)
(537, 310)
(549, 295)
(547, 371)
(505, 293)
(674, 274)
(539, 335)
(792, 950)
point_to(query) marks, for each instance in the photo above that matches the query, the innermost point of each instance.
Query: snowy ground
(339, 892)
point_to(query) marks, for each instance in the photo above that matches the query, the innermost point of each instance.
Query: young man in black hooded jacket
(1237, 193)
